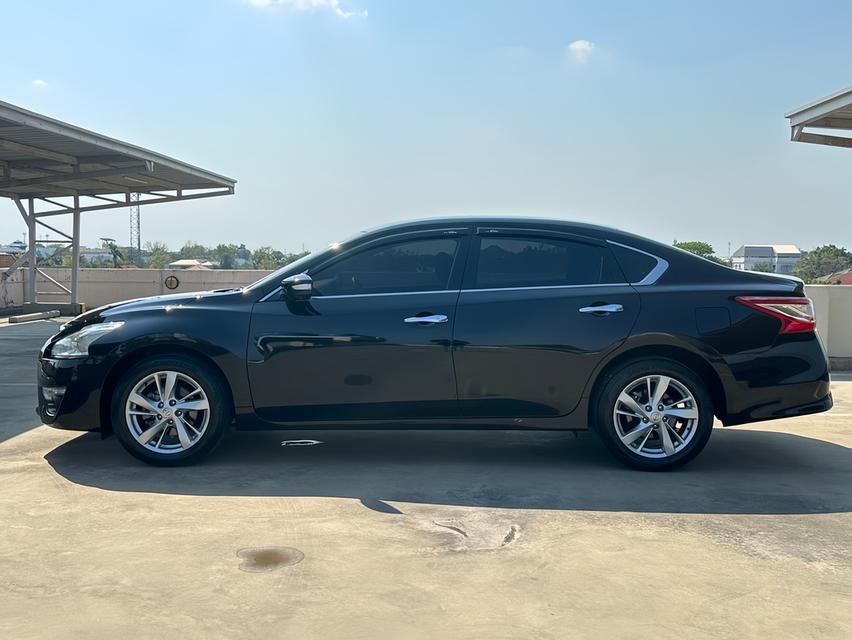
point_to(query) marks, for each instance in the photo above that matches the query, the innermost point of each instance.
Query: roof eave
(51, 125)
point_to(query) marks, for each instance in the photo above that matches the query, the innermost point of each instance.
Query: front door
(536, 313)
(374, 340)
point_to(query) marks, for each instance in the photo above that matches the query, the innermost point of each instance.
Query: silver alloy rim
(655, 416)
(167, 412)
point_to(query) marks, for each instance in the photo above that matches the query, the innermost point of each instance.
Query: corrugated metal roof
(43, 157)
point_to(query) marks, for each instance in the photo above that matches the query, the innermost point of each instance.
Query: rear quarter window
(635, 265)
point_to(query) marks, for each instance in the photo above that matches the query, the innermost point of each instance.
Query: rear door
(536, 313)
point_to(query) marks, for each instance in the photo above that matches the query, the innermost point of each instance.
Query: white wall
(101, 286)
(833, 303)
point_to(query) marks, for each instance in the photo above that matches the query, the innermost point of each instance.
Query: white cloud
(581, 50)
(309, 5)
(40, 84)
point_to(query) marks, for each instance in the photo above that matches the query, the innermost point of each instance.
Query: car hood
(152, 303)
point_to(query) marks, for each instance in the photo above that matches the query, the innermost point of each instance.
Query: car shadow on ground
(740, 472)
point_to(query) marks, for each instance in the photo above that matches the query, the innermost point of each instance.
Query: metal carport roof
(832, 112)
(50, 168)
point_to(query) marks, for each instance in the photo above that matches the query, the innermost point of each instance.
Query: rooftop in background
(838, 277)
(191, 263)
(832, 112)
(777, 258)
(42, 158)
(774, 249)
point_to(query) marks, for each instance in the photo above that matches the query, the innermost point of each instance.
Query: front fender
(219, 337)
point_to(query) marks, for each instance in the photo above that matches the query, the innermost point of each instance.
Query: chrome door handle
(603, 308)
(435, 319)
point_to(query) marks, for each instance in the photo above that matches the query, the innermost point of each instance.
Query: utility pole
(135, 238)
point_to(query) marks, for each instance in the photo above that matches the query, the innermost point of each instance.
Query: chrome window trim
(387, 293)
(414, 293)
(550, 286)
(275, 292)
(364, 295)
(655, 273)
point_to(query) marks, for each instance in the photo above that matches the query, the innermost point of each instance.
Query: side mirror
(298, 287)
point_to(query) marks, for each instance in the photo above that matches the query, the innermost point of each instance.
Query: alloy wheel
(655, 416)
(167, 412)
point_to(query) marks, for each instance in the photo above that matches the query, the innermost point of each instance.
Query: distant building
(191, 263)
(6, 260)
(95, 255)
(780, 258)
(840, 277)
(15, 248)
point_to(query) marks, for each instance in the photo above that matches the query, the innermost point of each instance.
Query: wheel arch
(132, 358)
(677, 353)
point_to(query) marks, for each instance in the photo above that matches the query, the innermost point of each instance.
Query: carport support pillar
(75, 250)
(31, 267)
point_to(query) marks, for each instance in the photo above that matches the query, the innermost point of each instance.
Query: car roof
(494, 220)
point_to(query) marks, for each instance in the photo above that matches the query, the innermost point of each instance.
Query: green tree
(225, 255)
(762, 267)
(160, 255)
(703, 249)
(267, 258)
(822, 261)
(193, 250)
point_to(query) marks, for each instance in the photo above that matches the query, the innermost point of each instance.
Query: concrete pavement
(422, 534)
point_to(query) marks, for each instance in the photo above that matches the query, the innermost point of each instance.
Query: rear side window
(507, 261)
(406, 266)
(635, 265)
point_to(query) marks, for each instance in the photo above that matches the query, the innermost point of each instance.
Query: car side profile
(450, 323)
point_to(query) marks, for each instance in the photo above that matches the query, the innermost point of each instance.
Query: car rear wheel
(170, 410)
(654, 415)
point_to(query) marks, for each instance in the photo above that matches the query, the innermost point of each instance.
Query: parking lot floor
(421, 534)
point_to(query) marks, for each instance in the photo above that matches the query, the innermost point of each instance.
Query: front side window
(405, 266)
(506, 262)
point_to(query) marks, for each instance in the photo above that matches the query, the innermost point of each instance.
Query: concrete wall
(101, 286)
(833, 304)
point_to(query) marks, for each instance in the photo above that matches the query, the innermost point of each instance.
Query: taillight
(796, 314)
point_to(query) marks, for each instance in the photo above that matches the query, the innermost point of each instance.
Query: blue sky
(662, 118)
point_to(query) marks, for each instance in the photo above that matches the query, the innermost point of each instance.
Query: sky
(661, 118)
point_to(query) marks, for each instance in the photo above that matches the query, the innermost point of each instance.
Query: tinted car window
(414, 265)
(530, 262)
(635, 265)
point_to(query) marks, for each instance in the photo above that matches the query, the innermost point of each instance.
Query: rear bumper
(773, 411)
(69, 392)
(790, 379)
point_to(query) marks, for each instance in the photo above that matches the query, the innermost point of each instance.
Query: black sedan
(471, 323)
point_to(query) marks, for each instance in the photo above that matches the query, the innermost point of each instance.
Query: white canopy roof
(832, 112)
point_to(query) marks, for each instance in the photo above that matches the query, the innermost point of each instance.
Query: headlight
(77, 344)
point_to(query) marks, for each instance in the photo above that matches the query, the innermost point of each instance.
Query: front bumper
(69, 392)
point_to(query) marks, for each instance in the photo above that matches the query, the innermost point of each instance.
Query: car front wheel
(170, 410)
(654, 415)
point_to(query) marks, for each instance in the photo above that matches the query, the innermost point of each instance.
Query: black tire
(605, 421)
(196, 371)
